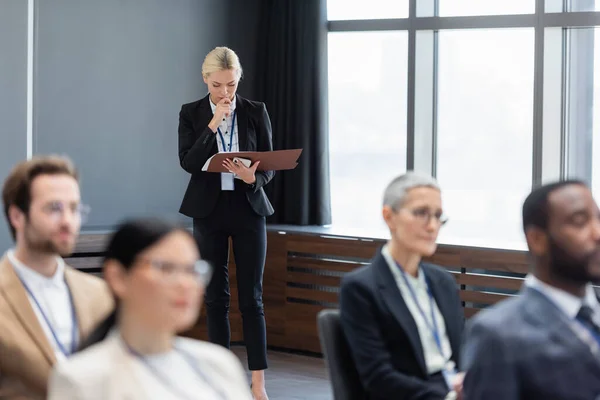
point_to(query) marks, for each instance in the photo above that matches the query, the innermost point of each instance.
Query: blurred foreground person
(46, 307)
(403, 318)
(155, 272)
(544, 343)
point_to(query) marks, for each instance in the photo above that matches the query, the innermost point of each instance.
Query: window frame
(550, 146)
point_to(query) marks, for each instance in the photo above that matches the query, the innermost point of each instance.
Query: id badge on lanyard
(449, 371)
(227, 178)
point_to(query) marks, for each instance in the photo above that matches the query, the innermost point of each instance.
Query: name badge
(449, 372)
(227, 181)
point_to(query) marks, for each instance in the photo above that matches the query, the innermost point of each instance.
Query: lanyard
(432, 327)
(230, 137)
(167, 383)
(73, 321)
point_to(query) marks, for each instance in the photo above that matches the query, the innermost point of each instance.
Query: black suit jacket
(383, 335)
(197, 143)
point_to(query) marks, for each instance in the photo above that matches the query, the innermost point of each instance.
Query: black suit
(383, 335)
(197, 143)
(219, 215)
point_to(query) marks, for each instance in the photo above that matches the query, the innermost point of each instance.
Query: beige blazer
(26, 355)
(108, 371)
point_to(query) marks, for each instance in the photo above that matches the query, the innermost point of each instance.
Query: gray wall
(110, 78)
(13, 92)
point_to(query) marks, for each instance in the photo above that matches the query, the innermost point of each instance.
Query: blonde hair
(221, 59)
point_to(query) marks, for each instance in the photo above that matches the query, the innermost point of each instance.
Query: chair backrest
(342, 372)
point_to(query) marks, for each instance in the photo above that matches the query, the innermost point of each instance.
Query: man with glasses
(544, 343)
(46, 307)
(403, 318)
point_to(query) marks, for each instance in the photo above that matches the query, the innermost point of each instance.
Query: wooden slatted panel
(293, 325)
(489, 281)
(91, 243)
(481, 297)
(312, 295)
(313, 279)
(301, 327)
(84, 263)
(494, 260)
(445, 256)
(469, 312)
(274, 283)
(342, 247)
(326, 265)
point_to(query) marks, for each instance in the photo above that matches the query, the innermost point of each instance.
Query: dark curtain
(291, 78)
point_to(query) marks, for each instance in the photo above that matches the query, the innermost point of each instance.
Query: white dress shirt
(570, 305)
(53, 297)
(226, 129)
(434, 360)
(227, 133)
(566, 302)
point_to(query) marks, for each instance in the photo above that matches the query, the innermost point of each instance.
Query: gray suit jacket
(524, 348)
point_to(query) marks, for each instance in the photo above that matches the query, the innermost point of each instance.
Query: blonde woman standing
(229, 205)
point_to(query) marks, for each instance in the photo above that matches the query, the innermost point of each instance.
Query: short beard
(42, 246)
(569, 267)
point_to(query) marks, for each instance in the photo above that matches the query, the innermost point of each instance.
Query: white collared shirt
(225, 128)
(434, 361)
(53, 297)
(566, 302)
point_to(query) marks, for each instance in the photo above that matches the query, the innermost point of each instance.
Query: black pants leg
(249, 249)
(214, 248)
(233, 217)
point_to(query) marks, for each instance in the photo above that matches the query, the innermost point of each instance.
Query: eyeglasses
(56, 210)
(200, 270)
(424, 216)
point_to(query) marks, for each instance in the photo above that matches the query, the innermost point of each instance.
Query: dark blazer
(383, 335)
(197, 143)
(524, 348)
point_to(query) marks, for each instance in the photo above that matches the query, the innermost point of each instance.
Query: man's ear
(16, 217)
(537, 241)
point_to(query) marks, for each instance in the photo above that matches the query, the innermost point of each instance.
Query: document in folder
(278, 160)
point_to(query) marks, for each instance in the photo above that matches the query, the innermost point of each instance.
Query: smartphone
(244, 161)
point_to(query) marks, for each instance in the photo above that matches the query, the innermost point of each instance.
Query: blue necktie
(585, 316)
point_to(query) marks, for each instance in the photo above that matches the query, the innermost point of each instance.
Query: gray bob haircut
(396, 191)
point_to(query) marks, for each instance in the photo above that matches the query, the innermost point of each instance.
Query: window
(581, 104)
(485, 134)
(475, 113)
(367, 123)
(556, 6)
(372, 9)
(457, 8)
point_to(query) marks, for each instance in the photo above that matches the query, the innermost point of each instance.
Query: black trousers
(233, 217)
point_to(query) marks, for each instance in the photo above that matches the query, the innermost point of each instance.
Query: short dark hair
(132, 237)
(535, 207)
(17, 186)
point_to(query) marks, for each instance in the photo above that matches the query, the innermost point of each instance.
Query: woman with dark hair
(154, 270)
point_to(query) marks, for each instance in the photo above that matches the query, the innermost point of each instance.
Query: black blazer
(383, 335)
(197, 143)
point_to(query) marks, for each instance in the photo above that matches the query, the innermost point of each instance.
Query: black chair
(342, 372)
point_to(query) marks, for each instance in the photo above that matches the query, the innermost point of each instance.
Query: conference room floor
(293, 377)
